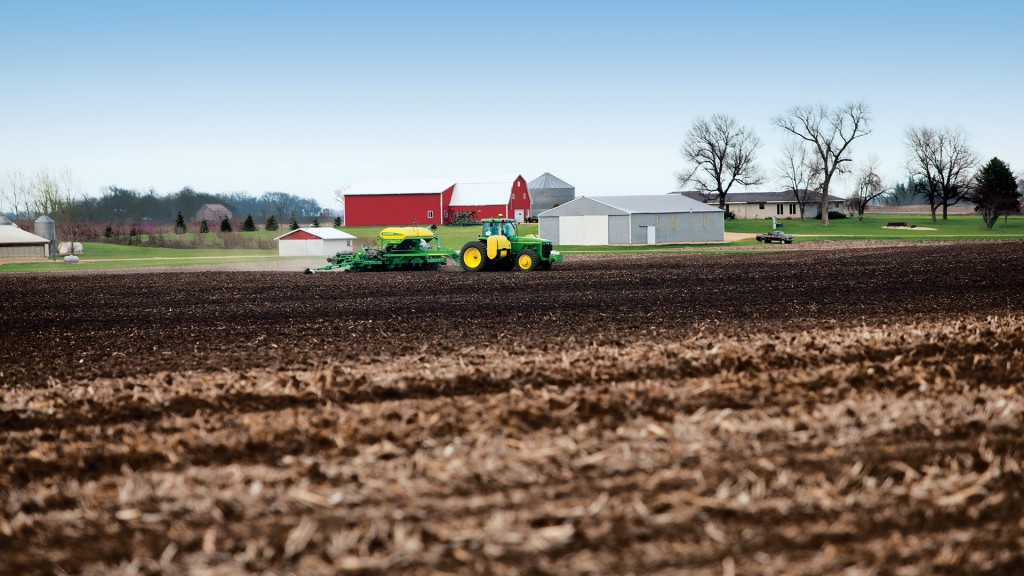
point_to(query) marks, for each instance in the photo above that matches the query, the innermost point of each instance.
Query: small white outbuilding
(314, 242)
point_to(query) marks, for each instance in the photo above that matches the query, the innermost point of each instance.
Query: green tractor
(500, 248)
(406, 248)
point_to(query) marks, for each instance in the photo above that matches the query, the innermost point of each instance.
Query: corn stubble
(787, 413)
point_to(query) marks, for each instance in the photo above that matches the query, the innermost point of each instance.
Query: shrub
(832, 215)
(203, 227)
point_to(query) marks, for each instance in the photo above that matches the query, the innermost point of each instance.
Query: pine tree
(203, 227)
(294, 225)
(225, 225)
(337, 221)
(271, 223)
(316, 222)
(248, 225)
(179, 224)
(995, 192)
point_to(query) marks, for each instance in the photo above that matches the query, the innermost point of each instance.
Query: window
(792, 208)
(430, 213)
(778, 209)
(760, 206)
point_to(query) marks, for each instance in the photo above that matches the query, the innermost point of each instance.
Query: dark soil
(793, 412)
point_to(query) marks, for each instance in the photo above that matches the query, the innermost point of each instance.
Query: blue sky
(309, 97)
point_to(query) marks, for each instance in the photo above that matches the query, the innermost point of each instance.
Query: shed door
(651, 235)
(583, 230)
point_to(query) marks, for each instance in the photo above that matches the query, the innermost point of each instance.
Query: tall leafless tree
(869, 187)
(944, 161)
(15, 192)
(829, 132)
(719, 154)
(800, 170)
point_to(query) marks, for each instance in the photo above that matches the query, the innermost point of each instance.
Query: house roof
(322, 233)
(642, 204)
(17, 236)
(780, 197)
(547, 181)
(469, 191)
(215, 208)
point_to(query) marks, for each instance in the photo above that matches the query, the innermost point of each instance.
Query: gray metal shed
(547, 191)
(654, 219)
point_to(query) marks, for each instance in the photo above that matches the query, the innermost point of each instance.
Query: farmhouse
(653, 219)
(314, 242)
(761, 205)
(548, 191)
(18, 244)
(213, 213)
(437, 201)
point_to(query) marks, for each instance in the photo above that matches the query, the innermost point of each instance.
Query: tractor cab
(499, 227)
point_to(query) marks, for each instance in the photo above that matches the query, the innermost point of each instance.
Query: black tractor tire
(473, 257)
(526, 260)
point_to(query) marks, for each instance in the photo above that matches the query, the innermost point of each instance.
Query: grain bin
(46, 228)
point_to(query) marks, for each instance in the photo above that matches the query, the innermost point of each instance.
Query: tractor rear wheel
(527, 260)
(473, 257)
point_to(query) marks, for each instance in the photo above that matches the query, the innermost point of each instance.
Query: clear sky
(309, 97)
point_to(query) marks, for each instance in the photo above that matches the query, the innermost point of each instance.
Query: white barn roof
(645, 204)
(483, 190)
(469, 191)
(322, 233)
(11, 234)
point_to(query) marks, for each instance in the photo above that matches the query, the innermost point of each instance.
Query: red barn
(435, 201)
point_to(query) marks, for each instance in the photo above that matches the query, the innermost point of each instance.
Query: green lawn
(99, 255)
(872, 228)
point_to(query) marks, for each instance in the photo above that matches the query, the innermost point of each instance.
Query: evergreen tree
(316, 222)
(271, 223)
(225, 225)
(337, 221)
(203, 227)
(179, 224)
(294, 225)
(995, 192)
(248, 225)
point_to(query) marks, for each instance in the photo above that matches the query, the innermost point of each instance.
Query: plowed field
(845, 410)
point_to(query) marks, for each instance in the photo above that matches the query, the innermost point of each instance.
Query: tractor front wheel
(473, 257)
(527, 260)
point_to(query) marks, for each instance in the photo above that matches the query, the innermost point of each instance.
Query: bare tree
(719, 154)
(15, 192)
(800, 169)
(869, 187)
(943, 159)
(829, 133)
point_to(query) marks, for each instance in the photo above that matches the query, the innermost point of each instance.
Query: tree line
(55, 193)
(943, 168)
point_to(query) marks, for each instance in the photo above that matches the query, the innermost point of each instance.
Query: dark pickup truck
(776, 236)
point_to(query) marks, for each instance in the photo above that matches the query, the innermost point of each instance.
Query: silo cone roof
(547, 181)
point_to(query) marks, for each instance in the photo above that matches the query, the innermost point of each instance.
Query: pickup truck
(776, 236)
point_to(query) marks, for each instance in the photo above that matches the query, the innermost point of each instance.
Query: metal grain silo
(547, 191)
(45, 227)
